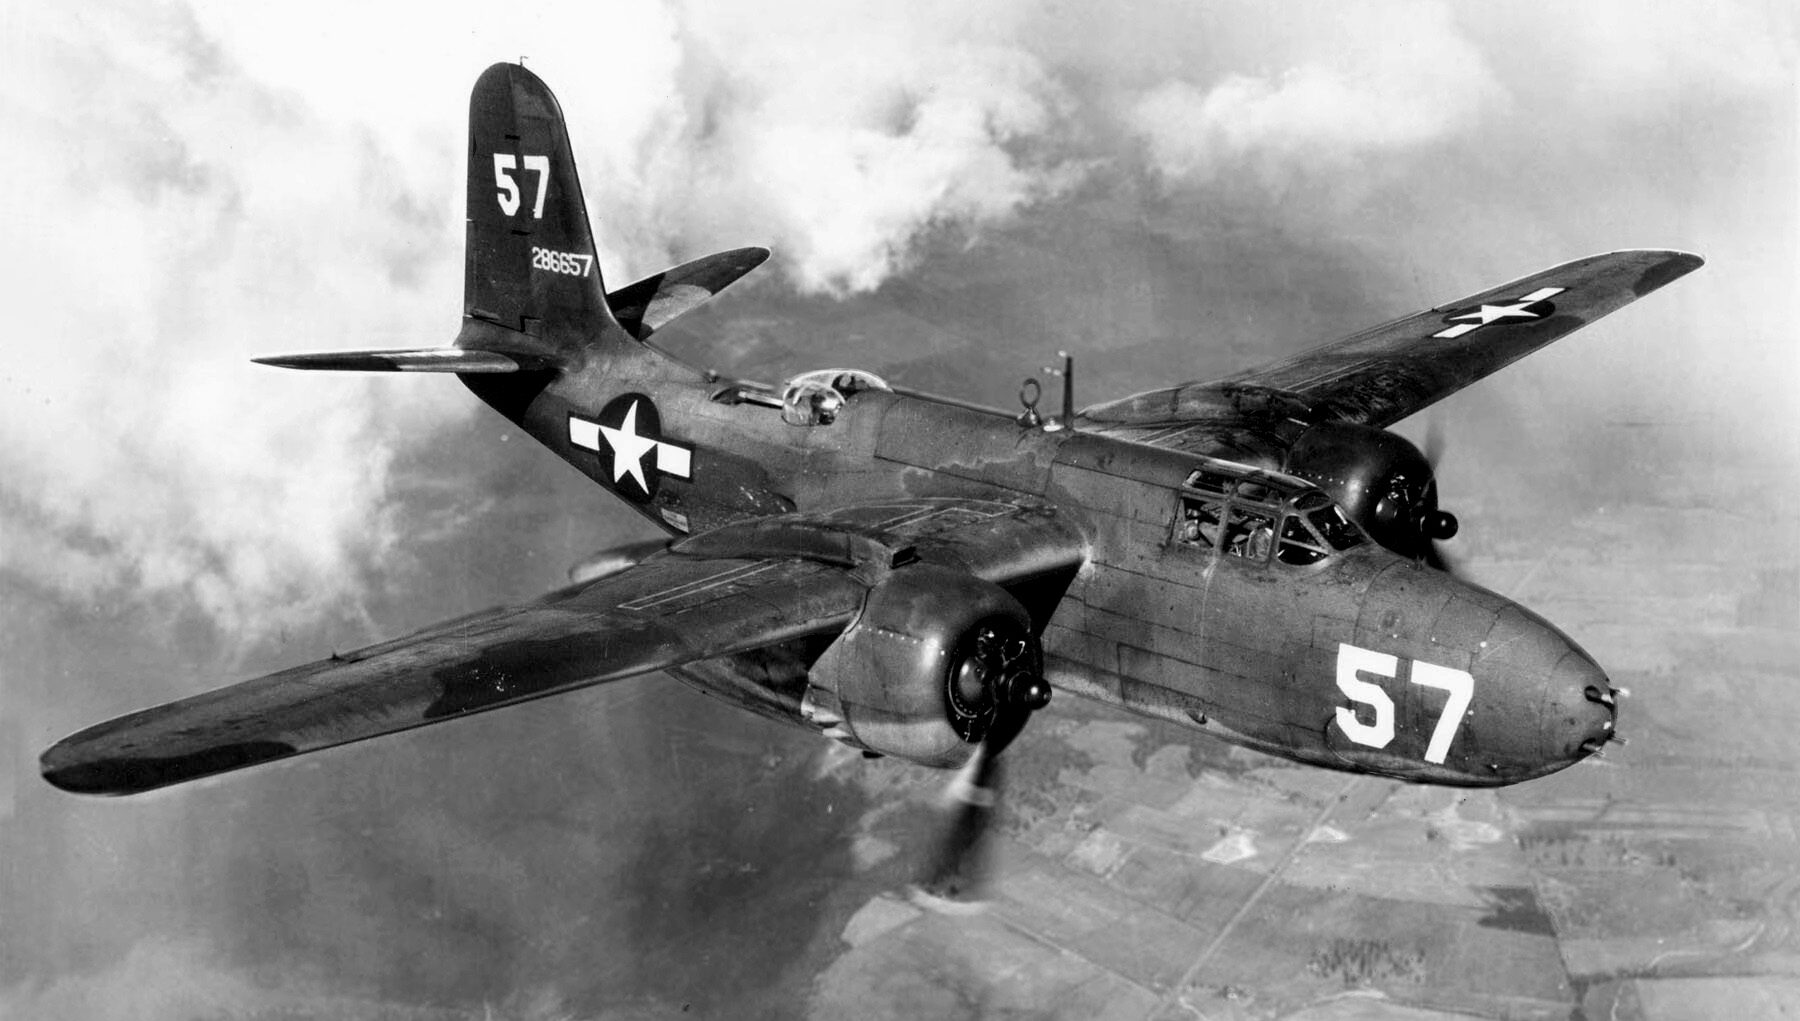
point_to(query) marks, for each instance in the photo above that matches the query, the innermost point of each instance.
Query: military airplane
(911, 575)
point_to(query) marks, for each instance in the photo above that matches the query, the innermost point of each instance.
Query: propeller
(1002, 672)
(1435, 525)
(1434, 443)
(1383, 481)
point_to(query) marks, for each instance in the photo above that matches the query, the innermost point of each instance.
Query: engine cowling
(1382, 481)
(923, 670)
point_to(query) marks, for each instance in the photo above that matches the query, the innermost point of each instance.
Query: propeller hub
(997, 673)
(1024, 691)
(1438, 525)
(969, 685)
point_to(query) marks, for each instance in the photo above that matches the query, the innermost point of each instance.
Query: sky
(953, 192)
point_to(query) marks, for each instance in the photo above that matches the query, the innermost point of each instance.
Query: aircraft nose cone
(1580, 708)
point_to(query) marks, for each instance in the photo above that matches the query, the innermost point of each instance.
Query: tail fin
(533, 297)
(531, 266)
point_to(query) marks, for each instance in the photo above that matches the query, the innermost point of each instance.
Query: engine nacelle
(920, 672)
(1380, 480)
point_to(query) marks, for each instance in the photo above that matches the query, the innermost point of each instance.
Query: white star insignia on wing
(1470, 321)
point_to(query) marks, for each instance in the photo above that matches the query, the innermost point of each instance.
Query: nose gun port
(1603, 694)
(1587, 722)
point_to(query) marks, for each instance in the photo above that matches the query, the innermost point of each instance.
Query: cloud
(243, 181)
(177, 218)
(1628, 57)
(223, 192)
(1189, 189)
(840, 135)
(157, 980)
(1395, 78)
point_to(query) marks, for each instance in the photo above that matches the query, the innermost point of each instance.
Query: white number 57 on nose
(1353, 659)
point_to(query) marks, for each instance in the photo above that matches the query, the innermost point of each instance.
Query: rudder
(530, 263)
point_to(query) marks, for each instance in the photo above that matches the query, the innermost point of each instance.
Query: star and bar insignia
(627, 435)
(1521, 308)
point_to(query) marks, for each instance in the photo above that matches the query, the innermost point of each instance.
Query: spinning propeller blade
(958, 871)
(1443, 525)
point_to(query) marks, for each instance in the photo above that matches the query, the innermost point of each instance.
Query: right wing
(738, 588)
(1383, 374)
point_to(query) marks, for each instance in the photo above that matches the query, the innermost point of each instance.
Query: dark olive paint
(1160, 556)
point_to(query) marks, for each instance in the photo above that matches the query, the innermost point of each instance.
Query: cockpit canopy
(1245, 512)
(813, 398)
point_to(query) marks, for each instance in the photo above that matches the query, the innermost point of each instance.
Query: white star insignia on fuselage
(1494, 313)
(629, 447)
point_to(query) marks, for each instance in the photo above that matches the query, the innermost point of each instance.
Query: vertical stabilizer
(531, 265)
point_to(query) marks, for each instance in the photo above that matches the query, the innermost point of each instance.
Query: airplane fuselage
(1359, 659)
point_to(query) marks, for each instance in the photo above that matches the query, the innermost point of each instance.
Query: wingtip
(1676, 256)
(1673, 266)
(101, 760)
(749, 257)
(66, 767)
(88, 780)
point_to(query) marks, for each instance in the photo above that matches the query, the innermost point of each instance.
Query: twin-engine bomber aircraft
(912, 576)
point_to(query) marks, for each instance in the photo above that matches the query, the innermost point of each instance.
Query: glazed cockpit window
(815, 398)
(1257, 492)
(1199, 523)
(1299, 546)
(1211, 482)
(810, 403)
(1254, 514)
(1331, 523)
(1249, 534)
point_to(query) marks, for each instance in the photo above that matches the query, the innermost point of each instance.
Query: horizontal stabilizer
(434, 359)
(656, 301)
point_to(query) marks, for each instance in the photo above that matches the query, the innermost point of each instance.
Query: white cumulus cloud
(1388, 78)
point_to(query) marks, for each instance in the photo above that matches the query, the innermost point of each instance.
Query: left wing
(1384, 374)
(731, 590)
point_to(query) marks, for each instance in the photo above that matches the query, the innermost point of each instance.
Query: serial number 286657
(571, 263)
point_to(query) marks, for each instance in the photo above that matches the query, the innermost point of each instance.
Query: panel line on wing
(713, 586)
